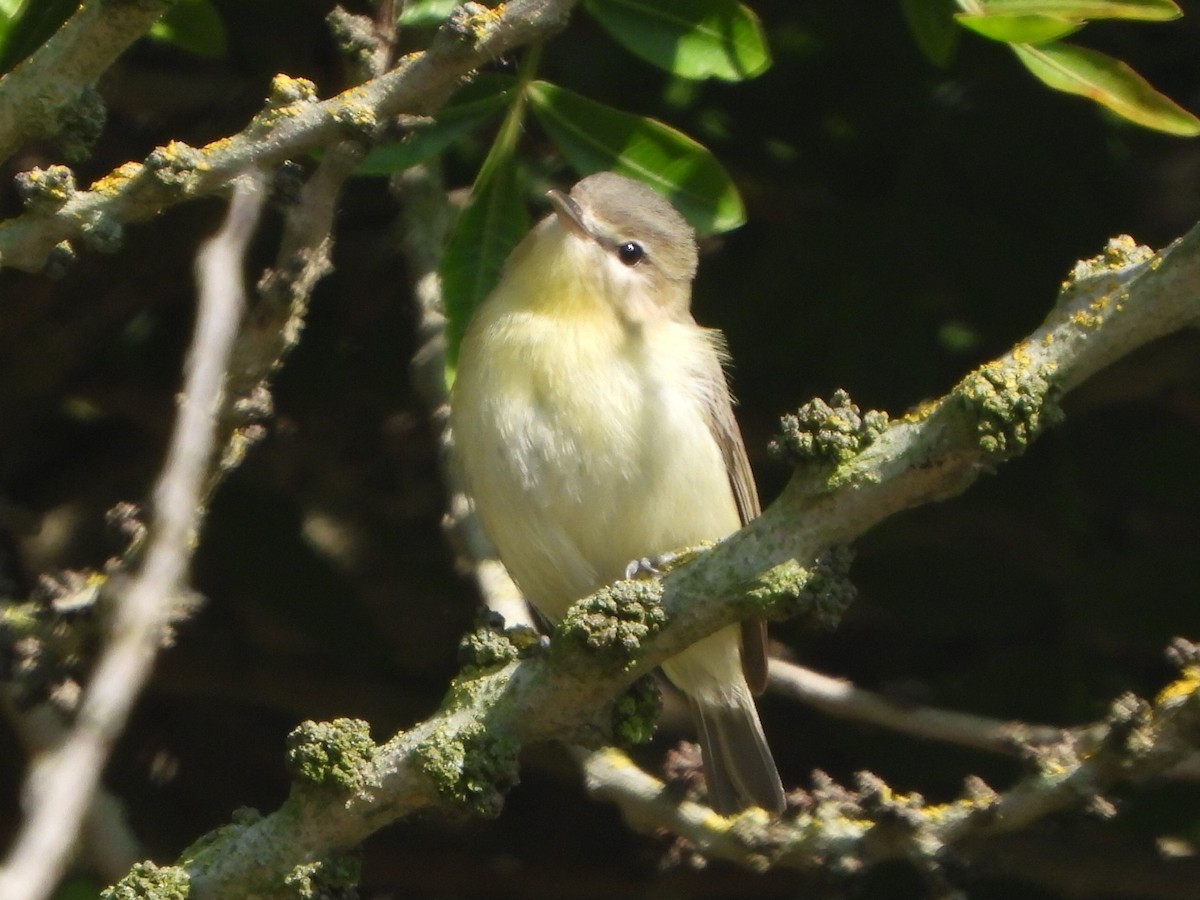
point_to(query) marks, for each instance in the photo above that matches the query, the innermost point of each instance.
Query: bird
(594, 426)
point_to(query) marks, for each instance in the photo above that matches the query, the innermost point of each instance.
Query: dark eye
(631, 253)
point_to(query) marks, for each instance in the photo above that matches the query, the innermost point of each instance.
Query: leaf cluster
(1034, 30)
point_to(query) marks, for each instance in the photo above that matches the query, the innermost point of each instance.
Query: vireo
(594, 426)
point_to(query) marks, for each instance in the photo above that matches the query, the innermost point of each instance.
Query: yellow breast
(585, 440)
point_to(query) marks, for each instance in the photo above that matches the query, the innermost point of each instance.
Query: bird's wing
(728, 436)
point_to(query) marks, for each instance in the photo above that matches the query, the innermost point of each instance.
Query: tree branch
(425, 220)
(61, 785)
(465, 755)
(292, 124)
(839, 697)
(871, 823)
(34, 95)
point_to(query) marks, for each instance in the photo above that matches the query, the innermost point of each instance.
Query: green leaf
(1144, 10)
(426, 13)
(594, 137)
(33, 23)
(931, 23)
(489, 227)
(450, 123)
(694, 39)
(194, 26)
(1107, 81)
(1019, 29)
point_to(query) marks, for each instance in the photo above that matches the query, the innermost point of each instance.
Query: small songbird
(594, 427)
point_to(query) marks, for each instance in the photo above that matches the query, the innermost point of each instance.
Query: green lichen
(473, 688)
(635, 714)
(470, 767)
(327, 879)
(80, 125)
(103, 234)
(527, 639)
(45, 190)
(146, 881)
(825, 433)
(212, 842)
(1012, 403)
(357, 37)
(818, 595)
(485, 648)
(331, 754)
(615, 621)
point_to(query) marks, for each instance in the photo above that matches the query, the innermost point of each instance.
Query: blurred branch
(425, 220)
(841, 698)
(35, 94)
(60, 786)
(106, 841)
(271, 329)
(292, 124)
(275, 321)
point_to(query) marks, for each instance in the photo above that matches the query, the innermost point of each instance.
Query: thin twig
(842, 698)
(60, 787)
(106, 841)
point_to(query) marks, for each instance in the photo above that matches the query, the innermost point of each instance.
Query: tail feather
(738, 765)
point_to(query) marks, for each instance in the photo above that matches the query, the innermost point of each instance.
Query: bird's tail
(738, 765)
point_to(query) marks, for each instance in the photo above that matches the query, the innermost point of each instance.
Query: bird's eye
(631, 253)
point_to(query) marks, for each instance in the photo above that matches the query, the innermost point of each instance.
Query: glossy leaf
(1144, 10)
(451, 122)
(1108, 81)
(931, 23)
(426, 13)
(1020, 29)
(30, 26)
(489, 227)
(193, 25)
(694, 39)
(594, 137)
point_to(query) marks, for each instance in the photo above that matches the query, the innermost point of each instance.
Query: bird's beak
(569, 213)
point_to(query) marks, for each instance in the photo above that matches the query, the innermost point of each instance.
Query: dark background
(906, 223)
